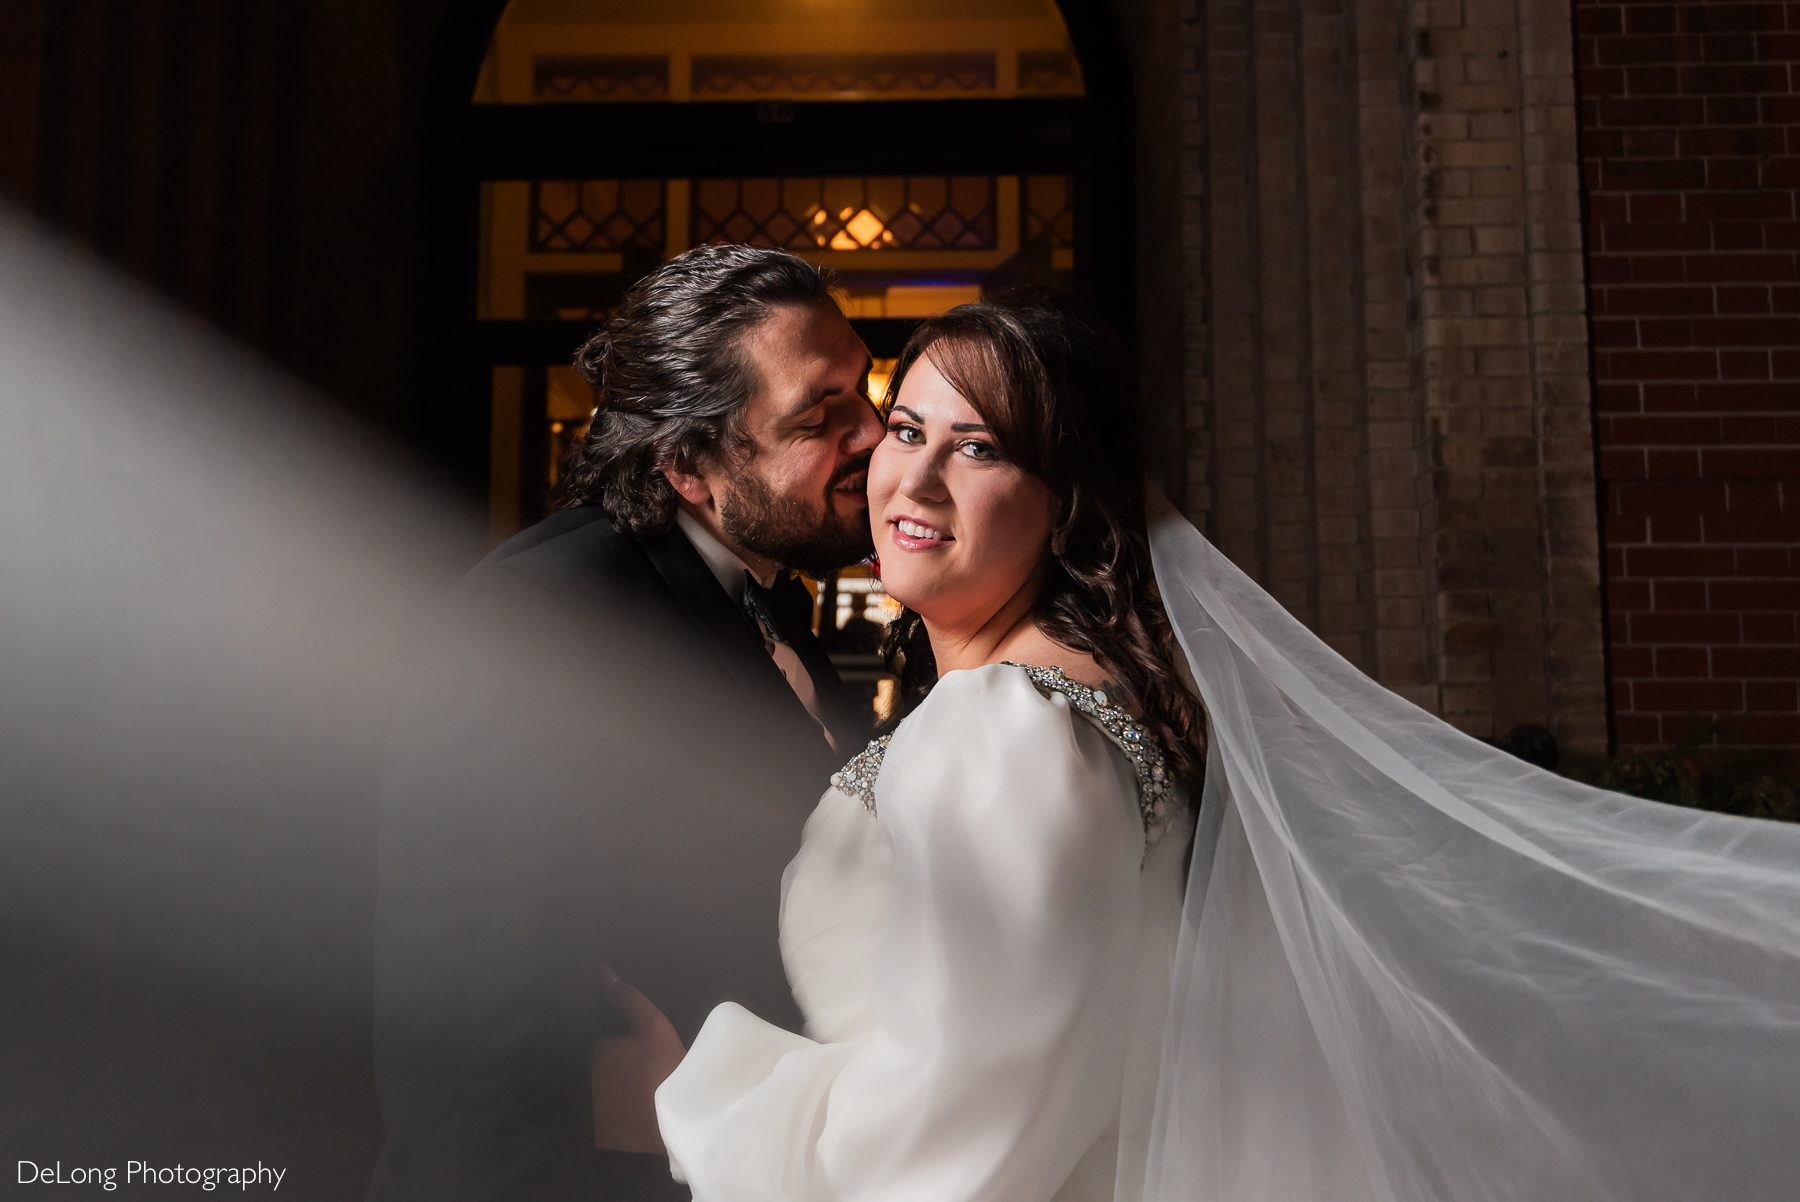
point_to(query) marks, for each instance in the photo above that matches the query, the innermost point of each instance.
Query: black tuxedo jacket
(598, 763)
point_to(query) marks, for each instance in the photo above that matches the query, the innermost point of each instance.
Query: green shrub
(1702, 773)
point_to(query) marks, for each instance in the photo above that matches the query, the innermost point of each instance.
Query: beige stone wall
(1383, 385)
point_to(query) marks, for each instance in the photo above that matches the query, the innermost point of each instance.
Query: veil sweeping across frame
(1415, 969)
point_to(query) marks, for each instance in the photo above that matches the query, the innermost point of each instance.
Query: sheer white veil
(1414, 969)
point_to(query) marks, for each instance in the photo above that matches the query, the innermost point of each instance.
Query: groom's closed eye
(807, 417)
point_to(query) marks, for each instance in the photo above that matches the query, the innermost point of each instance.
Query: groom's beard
(809, 535)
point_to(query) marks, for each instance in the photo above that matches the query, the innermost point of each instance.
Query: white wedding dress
(979, 927)
(1406, 968)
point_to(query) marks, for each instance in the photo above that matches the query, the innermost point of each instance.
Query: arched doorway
(923, 148)
(926, 150)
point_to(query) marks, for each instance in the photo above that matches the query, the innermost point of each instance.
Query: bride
(1396, 964)
(980, 924)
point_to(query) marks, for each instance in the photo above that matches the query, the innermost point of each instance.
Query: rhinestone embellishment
(1156, 790)
(857, 778)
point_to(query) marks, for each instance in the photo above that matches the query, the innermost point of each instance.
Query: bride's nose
(924, 479)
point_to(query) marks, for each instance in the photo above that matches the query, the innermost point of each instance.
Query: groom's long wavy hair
(1053, 385)
(671, 379)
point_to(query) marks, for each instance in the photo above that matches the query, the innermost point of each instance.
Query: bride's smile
(916, 536)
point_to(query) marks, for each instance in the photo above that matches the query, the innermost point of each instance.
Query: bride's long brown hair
(1054, 387)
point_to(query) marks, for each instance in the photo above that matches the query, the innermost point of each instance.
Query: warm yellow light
(843, 241)
(930, 299)
(556, 427)
(819, 217)
(865, 227)
(886, 691)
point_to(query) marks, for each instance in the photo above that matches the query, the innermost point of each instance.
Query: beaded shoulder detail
(1156, 788)
(1157, 801)
(857, 777)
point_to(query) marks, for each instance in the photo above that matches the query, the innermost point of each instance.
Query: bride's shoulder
(966, 702)
(1030, 645)
(1014, 719)
(989, 712)
(1006, 707)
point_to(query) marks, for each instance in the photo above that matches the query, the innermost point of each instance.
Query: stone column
(1384, 378)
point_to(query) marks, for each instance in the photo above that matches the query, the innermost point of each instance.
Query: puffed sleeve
(1000, 990)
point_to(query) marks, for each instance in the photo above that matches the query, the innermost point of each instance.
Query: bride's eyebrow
(955, 427)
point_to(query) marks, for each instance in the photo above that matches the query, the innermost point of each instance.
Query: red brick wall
(1690, 118)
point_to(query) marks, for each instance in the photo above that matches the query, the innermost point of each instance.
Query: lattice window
(1047, 204)
(919, 212)
(718, 75)
(596, 215)
(1053, 72)
(589, 78)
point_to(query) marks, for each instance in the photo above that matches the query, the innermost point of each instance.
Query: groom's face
(798, 495)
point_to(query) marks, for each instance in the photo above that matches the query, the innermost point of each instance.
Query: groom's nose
(865, 428)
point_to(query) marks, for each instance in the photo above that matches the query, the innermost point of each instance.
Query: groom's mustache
(855, 467)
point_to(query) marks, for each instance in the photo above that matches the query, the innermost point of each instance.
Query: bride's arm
(999, 991)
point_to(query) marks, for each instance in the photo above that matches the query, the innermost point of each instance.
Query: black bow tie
(782, 611)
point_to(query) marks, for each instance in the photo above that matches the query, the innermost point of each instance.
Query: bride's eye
(981, 452)
(912, 436)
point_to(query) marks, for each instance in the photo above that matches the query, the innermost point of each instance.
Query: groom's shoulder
(571, 544)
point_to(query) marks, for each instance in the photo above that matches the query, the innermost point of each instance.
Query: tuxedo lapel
(841, 709)
(739, 647)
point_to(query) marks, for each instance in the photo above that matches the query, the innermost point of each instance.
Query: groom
(612, 746)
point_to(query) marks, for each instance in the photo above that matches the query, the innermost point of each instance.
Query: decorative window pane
(870, 213)
(719, 77)
(1049, 72)
(1049, 210)
(597, 215)
(589, 78)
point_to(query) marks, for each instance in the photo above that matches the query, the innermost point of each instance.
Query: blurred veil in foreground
(209, 584)
(214, 595)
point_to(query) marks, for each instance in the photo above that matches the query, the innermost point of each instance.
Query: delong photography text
(140, 1172)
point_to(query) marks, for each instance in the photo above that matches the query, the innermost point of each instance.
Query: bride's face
(960, 530)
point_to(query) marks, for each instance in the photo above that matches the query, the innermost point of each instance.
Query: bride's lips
(910, 534)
